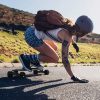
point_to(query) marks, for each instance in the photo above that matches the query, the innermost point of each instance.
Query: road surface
(55, 86)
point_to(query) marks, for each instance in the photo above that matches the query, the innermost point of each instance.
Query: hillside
(10, 15)
(11, 46)
(15, 19)
(90, 38)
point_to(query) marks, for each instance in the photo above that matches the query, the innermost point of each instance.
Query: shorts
(31, 38)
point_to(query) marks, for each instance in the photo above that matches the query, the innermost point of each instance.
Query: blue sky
(68, 8)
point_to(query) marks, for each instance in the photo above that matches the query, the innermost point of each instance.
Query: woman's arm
(65, 61)
(75, 45)
(66, 39)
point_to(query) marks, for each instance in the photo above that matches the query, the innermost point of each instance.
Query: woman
(48, 54)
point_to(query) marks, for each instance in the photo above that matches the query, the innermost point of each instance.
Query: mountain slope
(10, 15)
(11, 46)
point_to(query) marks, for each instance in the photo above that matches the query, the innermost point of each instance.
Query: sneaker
(37, 65)
(25, 62)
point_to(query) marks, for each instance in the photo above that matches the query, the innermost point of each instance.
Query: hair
(70, 26)
(68, 22)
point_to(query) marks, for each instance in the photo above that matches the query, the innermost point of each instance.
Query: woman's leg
(52, 44)
(47, 53)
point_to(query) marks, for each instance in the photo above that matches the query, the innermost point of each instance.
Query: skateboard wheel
(46, 72)
(35, 72)
(10, 74)
(22, 74)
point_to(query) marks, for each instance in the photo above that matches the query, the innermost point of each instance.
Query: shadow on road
(13, 89)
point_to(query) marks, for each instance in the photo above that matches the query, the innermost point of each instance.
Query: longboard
(22, 72)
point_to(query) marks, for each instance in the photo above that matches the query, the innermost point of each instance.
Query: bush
(15, 61)
(1, 60)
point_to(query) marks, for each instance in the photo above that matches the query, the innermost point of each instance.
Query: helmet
(85, 24)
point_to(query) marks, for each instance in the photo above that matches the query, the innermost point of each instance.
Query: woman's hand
(76, 47)
(75, 79)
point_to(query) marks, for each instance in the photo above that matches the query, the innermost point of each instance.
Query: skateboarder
(47, 50)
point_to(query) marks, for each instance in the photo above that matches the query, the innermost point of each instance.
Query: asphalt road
(55, 86)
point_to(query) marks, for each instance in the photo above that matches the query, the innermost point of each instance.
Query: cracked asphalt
(55, 86)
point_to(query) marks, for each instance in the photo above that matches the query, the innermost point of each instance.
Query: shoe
(37, 65)
(25, 62)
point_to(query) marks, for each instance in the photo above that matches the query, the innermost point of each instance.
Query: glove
(75, 79)
(76, 47)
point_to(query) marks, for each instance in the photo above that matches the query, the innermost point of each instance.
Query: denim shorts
(31, 38)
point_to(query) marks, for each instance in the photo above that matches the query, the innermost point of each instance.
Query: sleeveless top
(50, 35)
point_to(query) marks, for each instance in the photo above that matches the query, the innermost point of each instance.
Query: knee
(56, 59)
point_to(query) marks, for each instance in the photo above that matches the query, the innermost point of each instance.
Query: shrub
(15, 61)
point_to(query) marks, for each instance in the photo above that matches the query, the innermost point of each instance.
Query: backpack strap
(50, 36)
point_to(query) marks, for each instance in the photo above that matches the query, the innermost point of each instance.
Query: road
(55, 86)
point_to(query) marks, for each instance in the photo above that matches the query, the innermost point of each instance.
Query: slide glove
(75, 79)
(76, 47)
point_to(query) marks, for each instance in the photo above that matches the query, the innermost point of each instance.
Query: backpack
(48, 19)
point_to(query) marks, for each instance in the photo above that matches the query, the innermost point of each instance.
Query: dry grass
(11, 46)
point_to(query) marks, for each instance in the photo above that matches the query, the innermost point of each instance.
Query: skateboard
(21, 72)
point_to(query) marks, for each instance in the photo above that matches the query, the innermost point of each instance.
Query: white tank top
(52, 33)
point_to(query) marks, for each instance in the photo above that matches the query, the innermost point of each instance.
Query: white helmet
(85, 24)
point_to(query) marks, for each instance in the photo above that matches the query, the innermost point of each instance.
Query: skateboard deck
(22, 72)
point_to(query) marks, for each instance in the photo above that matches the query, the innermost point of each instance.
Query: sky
(68, 8)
